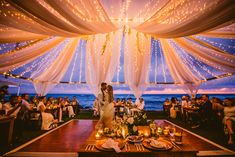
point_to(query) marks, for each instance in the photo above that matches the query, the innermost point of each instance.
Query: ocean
(153, 102)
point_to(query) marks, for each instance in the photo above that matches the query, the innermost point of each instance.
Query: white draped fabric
(54, 73)
(64, 18)
(179, 71)
(222, 61)
(9, 35)
(225, 32)
(137, 61)
(14, 59)
(102, 58)
(187, 17)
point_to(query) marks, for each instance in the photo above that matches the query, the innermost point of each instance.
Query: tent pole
(18, 91)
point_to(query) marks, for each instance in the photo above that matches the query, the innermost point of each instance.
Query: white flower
(134, 128)
(130, 120)
(145, 116)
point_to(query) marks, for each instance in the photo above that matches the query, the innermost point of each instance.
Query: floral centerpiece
(134, 121)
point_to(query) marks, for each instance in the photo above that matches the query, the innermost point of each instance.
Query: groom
(101, 97)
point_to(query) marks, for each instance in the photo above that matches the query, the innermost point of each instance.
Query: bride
(108, 110)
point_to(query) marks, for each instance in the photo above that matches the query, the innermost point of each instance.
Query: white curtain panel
(55, 72)
(137, 61)
(102, 59)
(14, 59)
(178, 70)
(180, 73)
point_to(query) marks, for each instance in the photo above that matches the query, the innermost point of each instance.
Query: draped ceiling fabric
(136, 61)
(102, 58)
(53, 74)
(47, 23)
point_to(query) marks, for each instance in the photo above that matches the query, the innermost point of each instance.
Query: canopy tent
(44, 41)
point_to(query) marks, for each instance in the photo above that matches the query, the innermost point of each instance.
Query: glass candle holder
(97, 136)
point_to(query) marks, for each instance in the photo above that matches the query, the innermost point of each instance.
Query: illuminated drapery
(222, 61)
(67, 18)
(15, 59)
(54, 73)
(102, 58)
(180, 73)
(136, 61)
(8, 35)
(187, 17)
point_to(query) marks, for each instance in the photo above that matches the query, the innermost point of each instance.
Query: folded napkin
(157, 143)
(110, 143)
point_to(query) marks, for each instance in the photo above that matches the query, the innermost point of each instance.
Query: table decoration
(135, 139)
(110, 145)
(158, 145)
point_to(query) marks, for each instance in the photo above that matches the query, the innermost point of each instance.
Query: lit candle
(123, 133)
(97, 136)
(146, 134)
(100, 131)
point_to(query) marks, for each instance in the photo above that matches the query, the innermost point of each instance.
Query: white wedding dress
(107, 116)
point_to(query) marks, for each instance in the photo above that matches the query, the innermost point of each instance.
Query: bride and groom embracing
(106, 99)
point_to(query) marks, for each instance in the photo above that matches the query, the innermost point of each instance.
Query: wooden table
(6, 133)
(74, 136)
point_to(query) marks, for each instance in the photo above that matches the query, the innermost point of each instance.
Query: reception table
(74, 137)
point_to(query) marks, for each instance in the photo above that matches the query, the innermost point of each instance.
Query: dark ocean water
(152, 101)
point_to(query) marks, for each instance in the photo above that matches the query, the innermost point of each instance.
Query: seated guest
(48, 121)
(123, 101)
(217, 106)
(96, 107)
(141, 104)
(75, 104)
(12, 107)
(167, 106)
(206, 109)
(50, 102)
(229, 118)
(25, 102)
(130, 103)
(35, 101)
(68, 107)
(173, 112)
(15, 108)
(118, 102)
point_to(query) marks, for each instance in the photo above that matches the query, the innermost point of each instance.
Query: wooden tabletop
(74, 137)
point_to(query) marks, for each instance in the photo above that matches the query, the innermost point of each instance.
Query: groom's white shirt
(101, 99)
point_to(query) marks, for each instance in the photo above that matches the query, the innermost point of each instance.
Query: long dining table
(77, 138)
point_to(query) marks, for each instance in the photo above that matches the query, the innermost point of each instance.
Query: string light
(214, 43)
(184, 56)
(81, 61)
(24, 46)
(161, 56)
(43, 66)
(44, 60)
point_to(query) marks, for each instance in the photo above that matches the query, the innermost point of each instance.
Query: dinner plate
(135, 139)
(99, 145)
(167, 145)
